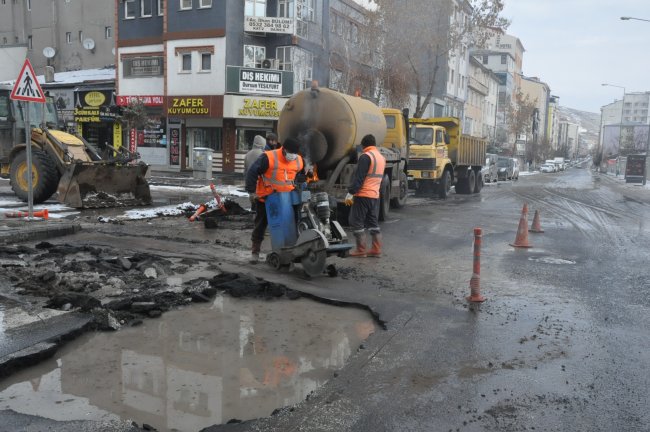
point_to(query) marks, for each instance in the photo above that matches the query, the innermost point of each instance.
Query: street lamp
(620, 127)
(632, 18)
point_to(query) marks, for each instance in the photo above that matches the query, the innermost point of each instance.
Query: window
(333, 19)
(303, 64)
(81, 36)
(485, 59)
(29, 6)
(503, 59)
(186, 62)
(161, 7)
(283, 54)
(29, 43)
(206, 61)
(336, 80)
(285, 8)
(68, 37)
(129, 9)
(4, 107)
(146, 8)
(186, 4)
(108, 32)
(203, 4)
(4, 40)
(305, 14)
(253, 56)
(255, 8)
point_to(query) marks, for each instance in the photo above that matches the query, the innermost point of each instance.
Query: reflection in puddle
(194, 367)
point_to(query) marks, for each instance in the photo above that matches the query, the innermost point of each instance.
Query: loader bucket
(92, 185)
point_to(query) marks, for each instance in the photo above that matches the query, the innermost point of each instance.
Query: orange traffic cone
(521, 241)
(537, 226)
(196, 214)
(18, 214)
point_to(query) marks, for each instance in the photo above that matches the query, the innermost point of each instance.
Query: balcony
(477, 86)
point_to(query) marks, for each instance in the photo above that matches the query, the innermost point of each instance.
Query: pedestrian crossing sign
(27, 87)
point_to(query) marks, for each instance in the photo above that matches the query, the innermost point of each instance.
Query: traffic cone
(537, 226)
(196, 214)
(19, 214)
(521, 241)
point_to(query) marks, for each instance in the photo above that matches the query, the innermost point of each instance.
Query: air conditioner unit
(271, 64)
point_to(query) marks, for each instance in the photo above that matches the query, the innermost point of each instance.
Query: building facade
(481, 105)
(67, 35)
(214, 74)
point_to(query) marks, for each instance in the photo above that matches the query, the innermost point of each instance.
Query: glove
(252, 197)
(349, 199)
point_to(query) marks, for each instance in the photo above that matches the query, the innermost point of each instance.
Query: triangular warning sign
(27, 88)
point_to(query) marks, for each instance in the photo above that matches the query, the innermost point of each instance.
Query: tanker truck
(330, 125)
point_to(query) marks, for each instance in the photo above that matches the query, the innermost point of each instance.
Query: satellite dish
(89, 44)
(49, 52)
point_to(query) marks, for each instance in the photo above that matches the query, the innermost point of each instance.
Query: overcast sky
(576, 45)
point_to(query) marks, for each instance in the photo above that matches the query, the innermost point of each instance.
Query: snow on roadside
(225, 190)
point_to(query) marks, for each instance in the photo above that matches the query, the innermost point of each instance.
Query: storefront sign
(188, 106)
(117, 135)
(133, 143)
(174, 145)
(146, 100)
(260, 81)
(95, 114)
(252, 107)
(136, 67)
(269, 24)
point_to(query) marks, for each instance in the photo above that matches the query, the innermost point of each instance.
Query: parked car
(515, 169)
(547, 168)
(490, 169)
(505, 167)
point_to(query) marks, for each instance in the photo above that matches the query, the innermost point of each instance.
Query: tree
(519, 116)
(134, 116)
(421, 36)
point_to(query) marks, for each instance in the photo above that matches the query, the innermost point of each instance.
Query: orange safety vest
(372, 182)
(280, 175)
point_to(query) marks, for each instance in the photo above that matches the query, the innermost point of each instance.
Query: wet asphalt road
(561, 344)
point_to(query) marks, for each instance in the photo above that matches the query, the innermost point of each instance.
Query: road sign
(27, 87)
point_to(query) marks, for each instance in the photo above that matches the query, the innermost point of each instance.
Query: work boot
(255, 252)
(375, 250)
(360, 251)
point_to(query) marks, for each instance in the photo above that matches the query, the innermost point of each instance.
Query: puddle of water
(194, 367)
(551, 260)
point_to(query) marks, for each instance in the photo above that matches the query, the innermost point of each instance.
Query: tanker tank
(330, 125)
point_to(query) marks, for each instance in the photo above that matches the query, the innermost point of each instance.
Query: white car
(547, 168)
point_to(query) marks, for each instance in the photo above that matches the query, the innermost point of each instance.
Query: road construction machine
(441, 157)
(330, 126)
(64, 163)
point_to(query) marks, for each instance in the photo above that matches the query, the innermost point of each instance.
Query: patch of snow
(224, 190)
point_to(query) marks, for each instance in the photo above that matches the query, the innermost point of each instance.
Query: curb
(26, 232)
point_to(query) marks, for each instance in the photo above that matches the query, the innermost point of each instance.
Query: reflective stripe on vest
(372, 182)
(280, 174)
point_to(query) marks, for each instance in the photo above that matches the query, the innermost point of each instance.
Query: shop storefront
(96, 115)
(249, 116)
(151, 142)
(193, 121)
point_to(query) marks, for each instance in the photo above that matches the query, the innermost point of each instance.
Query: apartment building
(625, 125)
(539, 92)
(214, 74)
(68, 35)
(481, 105)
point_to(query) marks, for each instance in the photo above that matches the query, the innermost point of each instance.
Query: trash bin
(202, 166)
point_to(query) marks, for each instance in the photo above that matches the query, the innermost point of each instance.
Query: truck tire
(445, 185)
(471, 181)
(479, 182)
(400, 201)
(45, 177)
(384, 198)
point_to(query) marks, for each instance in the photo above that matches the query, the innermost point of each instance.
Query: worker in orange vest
(274, 171)
(363, 196)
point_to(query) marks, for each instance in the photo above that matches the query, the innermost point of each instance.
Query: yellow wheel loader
(63, 163)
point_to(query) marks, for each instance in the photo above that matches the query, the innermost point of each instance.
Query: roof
(85, 76)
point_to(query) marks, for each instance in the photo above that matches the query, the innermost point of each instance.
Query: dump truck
(63, 162)
(440, 157)
(330, 125)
